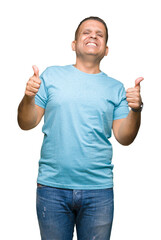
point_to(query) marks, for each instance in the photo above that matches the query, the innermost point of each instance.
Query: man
(81, 105)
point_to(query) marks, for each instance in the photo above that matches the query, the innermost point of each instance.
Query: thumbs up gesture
(33, 84)
(133, 96)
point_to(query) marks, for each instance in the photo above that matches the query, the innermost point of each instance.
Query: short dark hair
(92, 18)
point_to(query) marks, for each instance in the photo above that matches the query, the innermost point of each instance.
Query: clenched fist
(33, 84)
(133, 95)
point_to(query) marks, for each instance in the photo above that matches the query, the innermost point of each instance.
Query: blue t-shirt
(79, 110)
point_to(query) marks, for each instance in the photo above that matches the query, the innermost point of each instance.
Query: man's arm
(29, 114)
(125, 130)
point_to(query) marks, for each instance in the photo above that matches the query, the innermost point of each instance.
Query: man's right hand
(33, 84)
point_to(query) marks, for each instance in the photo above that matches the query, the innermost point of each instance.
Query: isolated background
(40, 32)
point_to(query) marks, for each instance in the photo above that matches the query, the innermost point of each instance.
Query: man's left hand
(133, 94)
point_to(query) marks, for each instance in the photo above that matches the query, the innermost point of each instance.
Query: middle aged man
(81, 105)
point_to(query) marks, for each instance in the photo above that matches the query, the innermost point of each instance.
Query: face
(91, 40)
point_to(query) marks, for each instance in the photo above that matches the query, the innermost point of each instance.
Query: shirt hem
(39, 104)
(81, 187)
(121, 116)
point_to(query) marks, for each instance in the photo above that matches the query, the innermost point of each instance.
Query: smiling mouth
(91, 44)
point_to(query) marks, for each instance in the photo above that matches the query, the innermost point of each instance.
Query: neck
(87, 67)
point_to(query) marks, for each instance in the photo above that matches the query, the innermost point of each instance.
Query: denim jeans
(59, 210)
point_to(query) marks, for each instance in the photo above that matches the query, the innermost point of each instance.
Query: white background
(40, 32)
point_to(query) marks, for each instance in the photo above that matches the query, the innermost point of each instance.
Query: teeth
(93, 44)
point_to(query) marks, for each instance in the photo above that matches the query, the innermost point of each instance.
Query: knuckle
(31, 79)
(130, 105)
(30, 82)
(138, 99)
(39, 81)
(27, 87)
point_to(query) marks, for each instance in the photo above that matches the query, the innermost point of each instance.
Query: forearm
(129, 128)
(27, 113)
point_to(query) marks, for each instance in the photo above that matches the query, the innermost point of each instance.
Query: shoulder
(114, 83)
(55, 70)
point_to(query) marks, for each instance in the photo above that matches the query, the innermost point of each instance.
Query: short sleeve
(121, 110)
(41, 96)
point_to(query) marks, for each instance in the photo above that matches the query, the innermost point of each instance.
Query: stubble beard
(90, 57)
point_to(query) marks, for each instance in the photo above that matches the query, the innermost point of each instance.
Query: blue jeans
(59, 210)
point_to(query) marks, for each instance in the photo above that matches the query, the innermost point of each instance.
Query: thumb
(36, 70)
(137, 81)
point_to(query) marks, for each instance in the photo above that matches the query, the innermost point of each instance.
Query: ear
(106, 51)
(73, 45)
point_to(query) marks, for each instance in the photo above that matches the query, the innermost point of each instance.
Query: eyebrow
(88, 29)
(100, 32)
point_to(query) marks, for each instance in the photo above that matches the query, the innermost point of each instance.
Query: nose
(93, 35)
